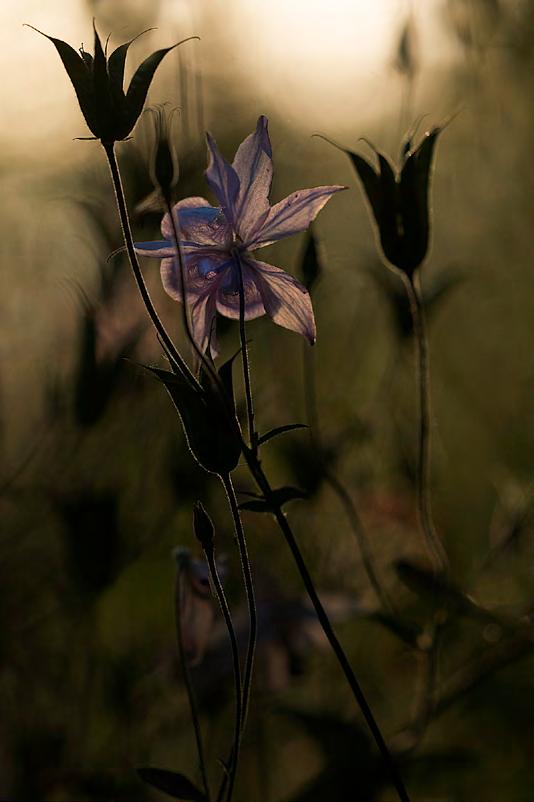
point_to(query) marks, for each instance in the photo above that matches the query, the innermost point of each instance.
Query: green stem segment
(179, 594)
(424, 504)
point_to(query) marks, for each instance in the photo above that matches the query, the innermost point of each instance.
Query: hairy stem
(179, 593)
(424, 503)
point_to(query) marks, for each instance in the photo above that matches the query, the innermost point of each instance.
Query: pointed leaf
(140, 83)
(279, 497)
(280, 430)
(170, 782)
(80, 77)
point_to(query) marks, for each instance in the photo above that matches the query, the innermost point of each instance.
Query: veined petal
(254, 168)
(228, 294)
(293, 214)
(203, 313)
(198, 222)
(222, 180)
(285, 299)
(160, 249)
(202, 274)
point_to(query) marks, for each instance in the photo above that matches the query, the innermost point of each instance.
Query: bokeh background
(97, 485)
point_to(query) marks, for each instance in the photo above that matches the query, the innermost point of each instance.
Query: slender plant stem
(223, 604)
(341, 657)
(134, 263)
(244, 356)
(424, 503)
(179, 594)
(351, 511)
(249, 588)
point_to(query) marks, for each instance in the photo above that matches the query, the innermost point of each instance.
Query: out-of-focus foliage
(97, 484)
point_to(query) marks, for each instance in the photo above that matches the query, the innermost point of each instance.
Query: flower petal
(199, 223)
(160, 249)
(286, 300)
(202, 274)
(203, 314)
(222, 180)
(228, 294)
(254, 168)
(293, 214)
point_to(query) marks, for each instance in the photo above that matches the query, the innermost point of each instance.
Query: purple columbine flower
(217, 242)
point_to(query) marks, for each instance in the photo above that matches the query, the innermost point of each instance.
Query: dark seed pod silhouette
(109, 111)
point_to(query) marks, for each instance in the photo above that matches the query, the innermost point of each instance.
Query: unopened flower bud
(203, 526)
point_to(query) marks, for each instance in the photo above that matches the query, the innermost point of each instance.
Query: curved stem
(249, 588)
(244, 356)
(341, 657)
(223, 604)
(338, 487)
(424, 504)
(188, 682)
(134, 263)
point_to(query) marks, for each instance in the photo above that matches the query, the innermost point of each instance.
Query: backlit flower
(217, 242)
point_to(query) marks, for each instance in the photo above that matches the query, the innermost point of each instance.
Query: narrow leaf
(279, 497)
(170, 782)
(280, 430)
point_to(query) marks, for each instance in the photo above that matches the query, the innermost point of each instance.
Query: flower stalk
(424, 499)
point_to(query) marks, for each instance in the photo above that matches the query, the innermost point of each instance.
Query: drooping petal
(199, 223)
(160, 249)
(203, 314)
(286, 300)
(228, 293)
(222, 180)
(293, 214)
(254, 168)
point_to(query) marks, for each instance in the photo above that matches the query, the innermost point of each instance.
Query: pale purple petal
(202, 271)
(254, 168)
(228, 293)
(293, 214)
(198, 223)
(222, 180)
(203, 314)
(159, 249)
(285, 299)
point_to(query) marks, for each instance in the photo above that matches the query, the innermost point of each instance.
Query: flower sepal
(399, 200)
(208, 417)
(109, 112)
